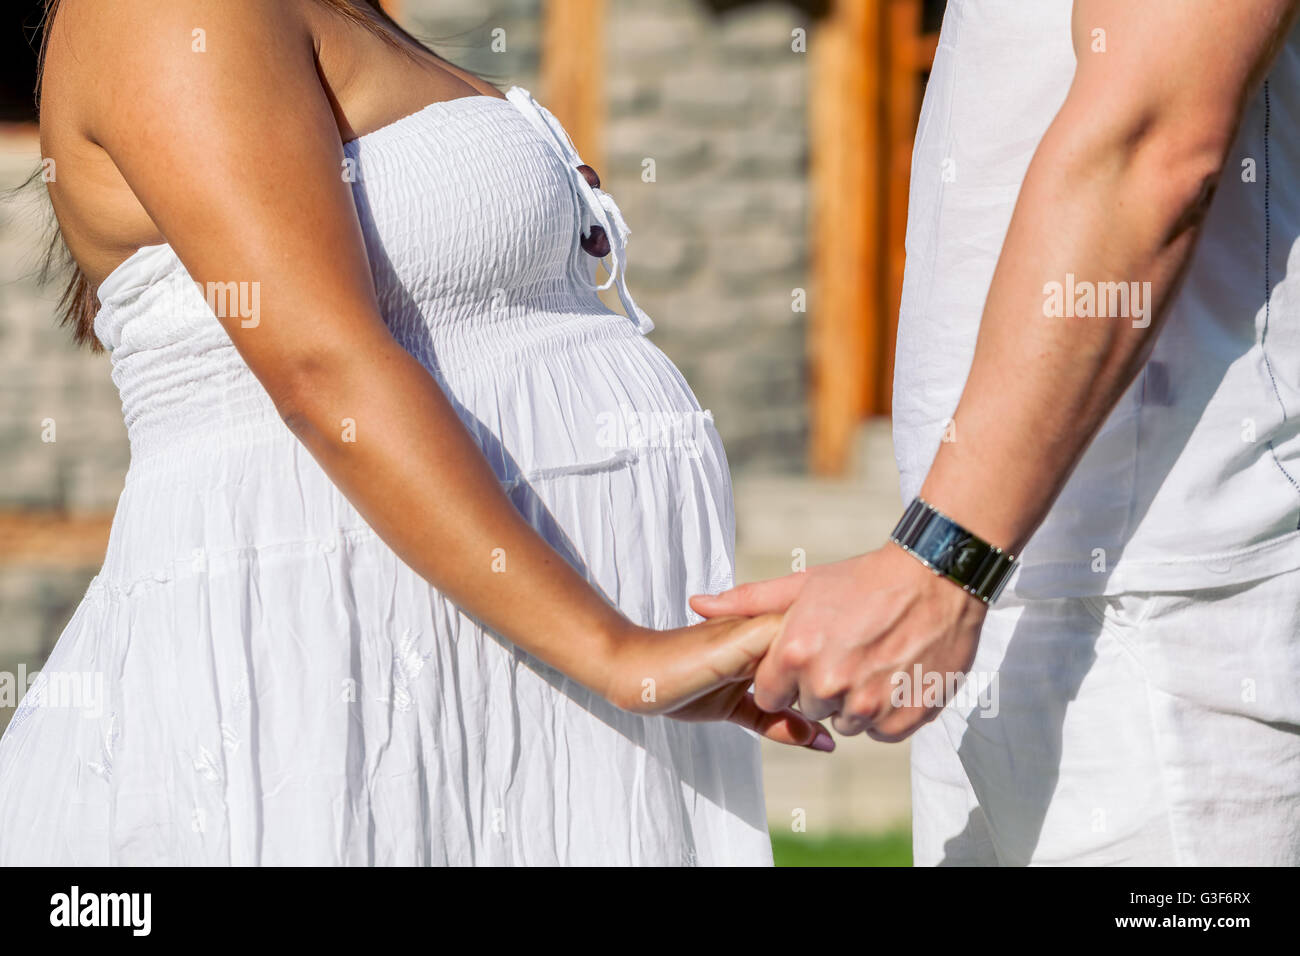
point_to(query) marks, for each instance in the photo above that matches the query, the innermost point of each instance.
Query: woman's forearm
(415, 474)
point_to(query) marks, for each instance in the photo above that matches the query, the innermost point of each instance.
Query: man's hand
(850, 627)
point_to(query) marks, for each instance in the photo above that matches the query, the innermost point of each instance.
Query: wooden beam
(845, 151)
(573, 69)
(924, 50)
(907, 55)
(51, 539)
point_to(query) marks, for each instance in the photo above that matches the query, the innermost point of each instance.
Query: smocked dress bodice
(473, 210)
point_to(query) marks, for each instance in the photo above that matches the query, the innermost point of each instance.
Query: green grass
(875, 849)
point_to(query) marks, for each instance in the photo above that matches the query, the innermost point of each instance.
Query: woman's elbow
(300, 387)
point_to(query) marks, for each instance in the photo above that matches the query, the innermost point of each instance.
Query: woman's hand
(703, 673)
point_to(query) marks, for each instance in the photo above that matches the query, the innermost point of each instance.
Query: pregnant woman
(380, 588)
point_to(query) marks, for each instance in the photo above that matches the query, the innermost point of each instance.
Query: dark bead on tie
(590, 176)
(595, 243)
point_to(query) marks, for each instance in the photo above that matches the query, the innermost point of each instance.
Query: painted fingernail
(823, 742)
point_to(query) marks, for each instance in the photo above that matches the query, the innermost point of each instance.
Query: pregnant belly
(597, 400)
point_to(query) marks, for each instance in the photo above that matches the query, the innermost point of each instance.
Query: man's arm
(1117, 191)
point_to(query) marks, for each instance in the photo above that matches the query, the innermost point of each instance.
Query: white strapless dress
(255, 678)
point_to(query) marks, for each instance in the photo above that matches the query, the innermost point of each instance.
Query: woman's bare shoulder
(133, 77)
(111, 62)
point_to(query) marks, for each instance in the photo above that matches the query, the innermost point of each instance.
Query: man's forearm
(1041, 385)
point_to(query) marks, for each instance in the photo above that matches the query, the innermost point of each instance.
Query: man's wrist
(992, 486)
(952, 551)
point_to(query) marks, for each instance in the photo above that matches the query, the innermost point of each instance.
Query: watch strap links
(950, 551)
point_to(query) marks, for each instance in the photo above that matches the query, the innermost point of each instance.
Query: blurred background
(760, 151)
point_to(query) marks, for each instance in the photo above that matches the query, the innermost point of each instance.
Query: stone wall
(717, 103)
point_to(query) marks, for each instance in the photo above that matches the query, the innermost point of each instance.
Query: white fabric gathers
(269, 684)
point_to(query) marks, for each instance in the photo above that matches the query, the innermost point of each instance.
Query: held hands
(849, 627)
(703, 673)
(830, 639)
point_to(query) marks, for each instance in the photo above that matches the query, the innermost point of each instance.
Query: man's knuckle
(826, 685)
(795, 654)
(861, 706)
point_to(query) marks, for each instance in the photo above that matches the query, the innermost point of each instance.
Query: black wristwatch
(949, 550)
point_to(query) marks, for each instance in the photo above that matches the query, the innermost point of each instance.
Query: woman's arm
(235, 154)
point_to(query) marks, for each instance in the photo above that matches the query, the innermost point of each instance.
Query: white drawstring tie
(599, 204)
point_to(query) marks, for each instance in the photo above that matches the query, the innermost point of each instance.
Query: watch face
(967, 555)
(951, 550)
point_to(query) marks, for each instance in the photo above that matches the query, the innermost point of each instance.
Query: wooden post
(845, 127)
(573, 69)
(51, 539)
(907, 55)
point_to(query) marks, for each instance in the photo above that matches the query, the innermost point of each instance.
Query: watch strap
(949, 550)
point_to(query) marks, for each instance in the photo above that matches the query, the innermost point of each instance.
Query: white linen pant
(1147, 729)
